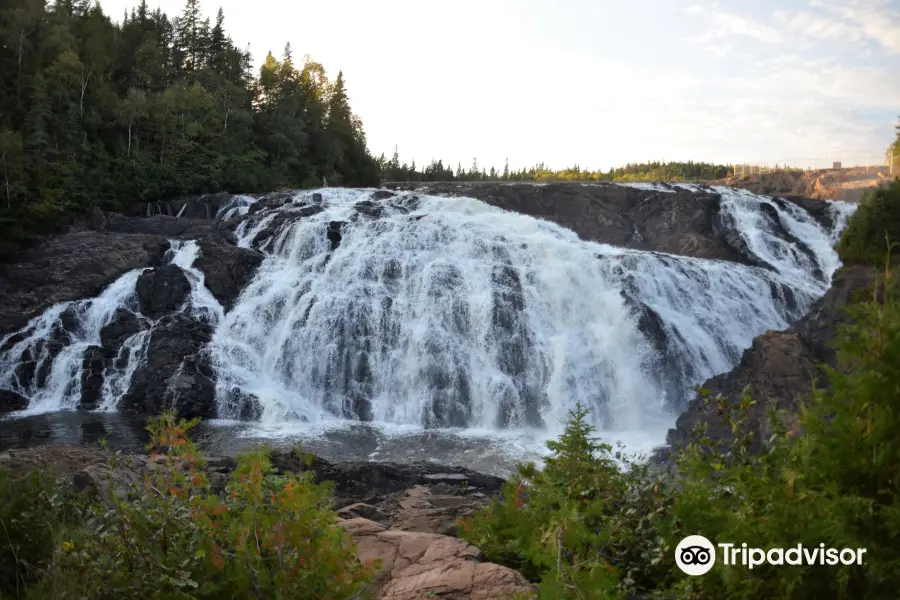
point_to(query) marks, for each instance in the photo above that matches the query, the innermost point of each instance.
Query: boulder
(162, 290)
(10, 401)
(227, 269)
(334, 233)
(417, 565)
(124, 324)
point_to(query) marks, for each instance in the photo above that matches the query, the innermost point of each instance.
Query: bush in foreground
(172, 537)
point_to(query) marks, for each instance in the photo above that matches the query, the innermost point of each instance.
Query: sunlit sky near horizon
(597, 82)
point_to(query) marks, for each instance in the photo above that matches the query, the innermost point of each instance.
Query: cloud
(821, 28)
(723, 25)
(873, 20)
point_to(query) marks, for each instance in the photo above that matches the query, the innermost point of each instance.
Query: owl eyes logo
(695, 555)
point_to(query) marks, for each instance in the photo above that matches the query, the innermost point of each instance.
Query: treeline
(393, 170)
(101, 114)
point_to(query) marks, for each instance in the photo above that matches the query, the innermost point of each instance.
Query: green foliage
(828, 475)
(101, 115)
(581, 526)
(171, 536)
(878, 215)
(32, 512)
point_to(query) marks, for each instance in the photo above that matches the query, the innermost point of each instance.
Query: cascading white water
(446, 312)
(202, 305)
(237, 206)
(460, 314)
(57, 340)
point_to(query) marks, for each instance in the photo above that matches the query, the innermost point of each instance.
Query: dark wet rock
(170, 227)
(678, 221)
(68, 324)
(820, 210)
(35, 362)
(369, 209)
(270, 230)
(70, 267)
(280, 219)
(317, 197)
(162, 290)
(370, 482)
(189, 207)
(357, 406)
(124, 324)
(334, 233)
(511, 335)
(849, 284)
(227, 269)
(778, 368)
(192, 390)
(11, 401)
(11, 341)
(307, 211)
(93, 365)
(174, 376)
(382, 195)
(243, 405)
(270, 201)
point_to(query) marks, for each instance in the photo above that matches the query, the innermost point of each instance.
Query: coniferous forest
(393, 170)
(99, 114)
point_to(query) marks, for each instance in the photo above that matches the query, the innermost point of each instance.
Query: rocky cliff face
(687, 221)
(779, 368)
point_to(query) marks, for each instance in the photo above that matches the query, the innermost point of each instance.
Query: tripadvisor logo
(696, 555)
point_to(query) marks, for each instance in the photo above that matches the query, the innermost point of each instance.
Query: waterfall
(448, 313)
(452, 313)
(46, 360)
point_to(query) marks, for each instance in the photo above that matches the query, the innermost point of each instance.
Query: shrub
(581, 527)
(32, 511)
(173, 537)
(877, 216)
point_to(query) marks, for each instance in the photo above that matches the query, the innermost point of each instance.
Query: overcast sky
(597, 82)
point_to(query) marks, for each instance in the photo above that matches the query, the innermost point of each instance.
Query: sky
(597, 83)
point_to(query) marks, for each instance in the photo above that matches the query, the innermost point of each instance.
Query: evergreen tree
(94, 113)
